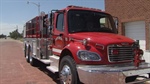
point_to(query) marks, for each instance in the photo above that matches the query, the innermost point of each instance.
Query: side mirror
(50, 21)
(50, 18)
(45, 21)
(116, 21)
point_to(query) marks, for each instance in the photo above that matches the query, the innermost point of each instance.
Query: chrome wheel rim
(30, 57)
(27, 57)
(66, 75)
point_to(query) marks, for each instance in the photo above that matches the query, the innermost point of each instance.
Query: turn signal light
(85, 42)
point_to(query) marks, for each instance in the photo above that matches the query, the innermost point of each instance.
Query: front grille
(125, 53)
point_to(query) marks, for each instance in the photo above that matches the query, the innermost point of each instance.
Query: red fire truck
(83, 46)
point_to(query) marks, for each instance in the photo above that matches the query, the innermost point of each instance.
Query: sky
(15, 13)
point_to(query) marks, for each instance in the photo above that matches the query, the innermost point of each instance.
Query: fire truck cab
(83, 46)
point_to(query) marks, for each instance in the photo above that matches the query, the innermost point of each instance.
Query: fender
(74, 47)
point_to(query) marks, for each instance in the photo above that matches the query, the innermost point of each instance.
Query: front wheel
(131, 79)
(67, 71)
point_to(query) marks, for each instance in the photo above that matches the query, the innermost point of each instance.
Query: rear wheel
(32, 60)
(67, 71)
(27, 54)
(25, 50)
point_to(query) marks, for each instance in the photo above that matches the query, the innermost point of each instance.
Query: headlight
(88, 56)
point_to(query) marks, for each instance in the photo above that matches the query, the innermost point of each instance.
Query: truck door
(58, 34)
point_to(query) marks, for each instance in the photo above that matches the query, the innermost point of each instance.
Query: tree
(15, 34)
(2, 36)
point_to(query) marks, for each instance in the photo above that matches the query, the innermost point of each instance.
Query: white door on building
(136, 30)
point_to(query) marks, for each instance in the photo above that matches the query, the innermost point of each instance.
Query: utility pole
(38, 5)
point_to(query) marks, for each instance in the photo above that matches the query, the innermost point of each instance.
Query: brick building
(134, 19)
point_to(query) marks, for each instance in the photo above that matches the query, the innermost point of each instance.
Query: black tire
(25, 51)
(67, 70)
(32, 60)
(131, 79)
(28, 54)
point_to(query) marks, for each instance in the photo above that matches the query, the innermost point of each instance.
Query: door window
(60, 22)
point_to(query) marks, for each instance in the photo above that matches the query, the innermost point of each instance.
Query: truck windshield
(89, 21)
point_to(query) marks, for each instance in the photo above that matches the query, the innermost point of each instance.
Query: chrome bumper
(110, 74)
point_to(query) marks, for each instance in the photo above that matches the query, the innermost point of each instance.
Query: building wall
(128, 11)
